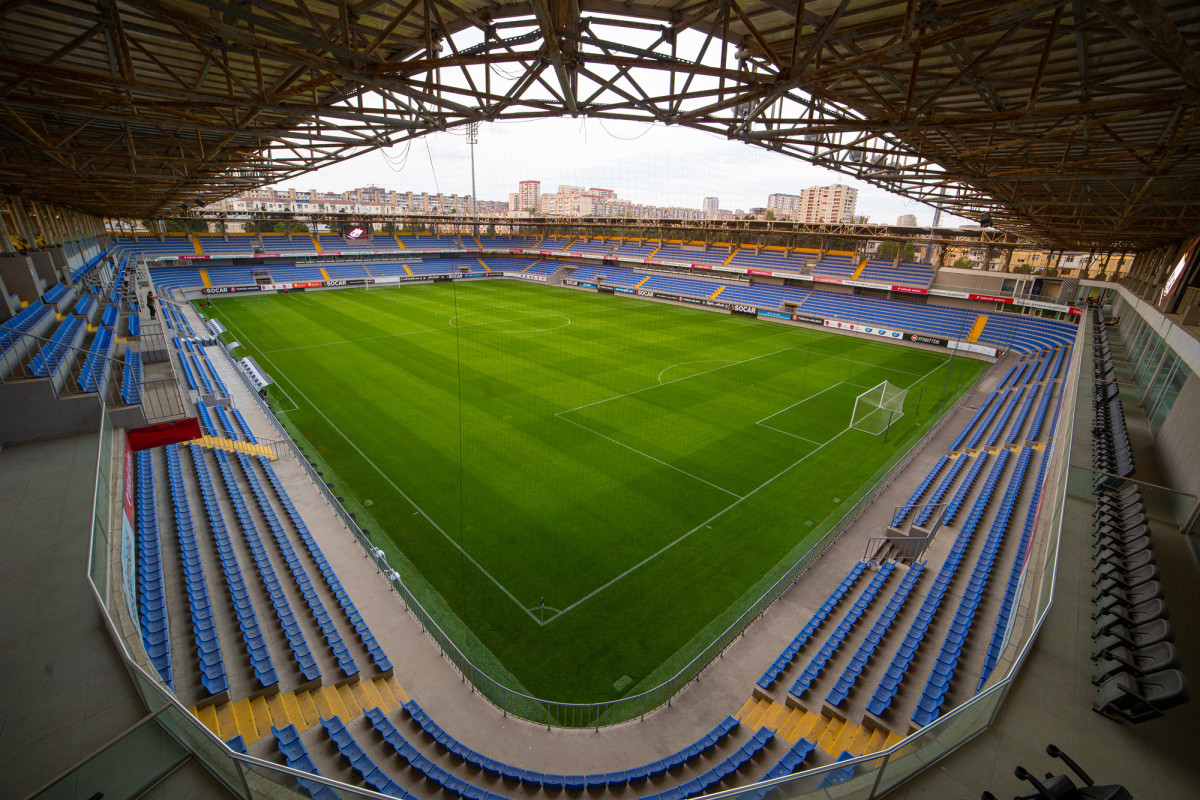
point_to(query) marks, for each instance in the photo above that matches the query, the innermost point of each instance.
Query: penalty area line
(399, 491)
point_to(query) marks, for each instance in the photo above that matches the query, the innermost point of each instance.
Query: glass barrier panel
(268, 781)
(211, 753)
(941, 738)
(123, 768)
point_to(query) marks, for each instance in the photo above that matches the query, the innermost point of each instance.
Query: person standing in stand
(150, 305)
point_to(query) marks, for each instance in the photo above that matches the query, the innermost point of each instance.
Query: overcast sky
(658, 165)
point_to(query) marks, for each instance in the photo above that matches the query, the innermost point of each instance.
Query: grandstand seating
(95, 369)
(131, 378)
(785, 658)
(255, 644)
(236, 245)
(890, 683)
(919, 492)
(331, 242)
(425, 242)
(296, 756)
(152, 602)
(836, 266)
(109, 318)
(862, 656)
(286, 273)
(597, 246)
(773, 259)
(631, 249)
(345, 271)
(204, 630)
(839, 634)
(933, 696)
(905, 273)
(279, 243)
(31, 320)
(671, 251)
(52, 354)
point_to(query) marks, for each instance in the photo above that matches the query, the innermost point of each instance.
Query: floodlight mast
(472, 140)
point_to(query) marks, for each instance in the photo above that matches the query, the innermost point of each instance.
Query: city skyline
(654, 165)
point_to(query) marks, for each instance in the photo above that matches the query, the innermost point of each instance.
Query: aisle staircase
(832, 734)
(252, 717)
(977, 328)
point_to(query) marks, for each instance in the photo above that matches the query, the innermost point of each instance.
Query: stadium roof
(1070, 123)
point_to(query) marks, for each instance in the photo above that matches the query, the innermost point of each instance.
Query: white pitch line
(700, 361)
(677, 380)
(786, 433)
(646, 455)
(399, 491)
(798, 402)
(704, 524)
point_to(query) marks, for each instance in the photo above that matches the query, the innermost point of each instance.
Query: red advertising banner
(989, 298)
(701, 266)
(823, 279)
(193, 258)
(759, 272)
(167, 433)
(1074, 311)
(306, 284)
(910, 290)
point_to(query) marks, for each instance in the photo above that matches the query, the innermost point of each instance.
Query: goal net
(875, 410)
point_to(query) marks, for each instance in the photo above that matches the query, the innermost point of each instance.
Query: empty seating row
(1018, 423)
(333, 638)
(302, 654)
(252, 636)
(95, 369)
(84, 305)
(933, 696)
(204, 630)
(785, 658)
(1001, 423)
(533, 779)
(903, 511)
(940, 491)
(839, 634)
(1014, 578)
(24, 322)
(152, 599)
(368, 771)
(109, 318)
(296, 756)
(890, 684)
(985, 425)
(131, 378)
(54, 294)
(53, 353)
(862, 656)
(378, 656)
(960, 495)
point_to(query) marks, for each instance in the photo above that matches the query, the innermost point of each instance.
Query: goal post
(878, 408)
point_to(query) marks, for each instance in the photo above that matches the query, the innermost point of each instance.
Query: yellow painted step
(243, 719)
(861, 266)
(774, 716)
(875, 743)
(309, 711)
(333, 702)
(977, 329)
(406, 269)
(397, 238)
(262, 716)
(366, 694)
(713, 296)
(892, 738)
(655, 250)
(279, 711)
(829, 736)
(486, 268)
(858, 745)
(476, 239)
(196, 245)
(350, 701)
(643, 280)
(397, 692)
(316, 243)
(324, 274)
(207, 715)
(733, 251)
(532, 265)
(811, 727)
(204, 277)
(845, 738)
(387, 700)
(230, 445)
(746, 708)
(755, 714)
(226, 724)
(791, 724)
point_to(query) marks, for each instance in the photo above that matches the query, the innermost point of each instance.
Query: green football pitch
(583, 488)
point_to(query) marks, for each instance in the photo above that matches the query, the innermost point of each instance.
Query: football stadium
(582, 500)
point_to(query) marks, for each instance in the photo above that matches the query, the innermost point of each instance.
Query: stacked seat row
(839, 634)
(210, 663)
(890, 683)
(785, 658)
(152, 600)
(933, 696)
(903, 511)
(95, 368)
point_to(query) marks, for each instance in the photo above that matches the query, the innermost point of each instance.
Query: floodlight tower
(472, 140)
